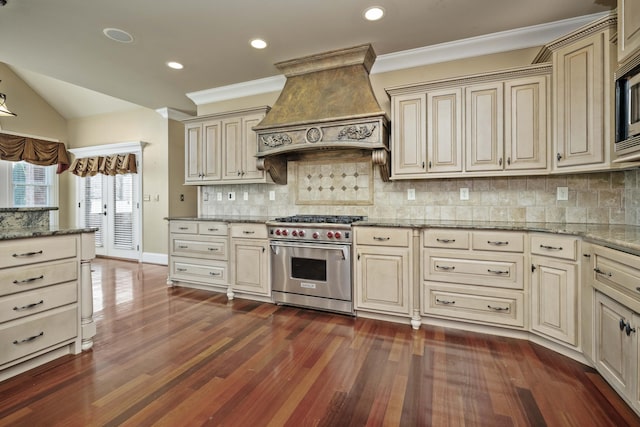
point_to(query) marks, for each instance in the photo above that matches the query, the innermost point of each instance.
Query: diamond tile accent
(318, 181)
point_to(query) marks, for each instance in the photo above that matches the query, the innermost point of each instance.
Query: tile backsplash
(604, 197)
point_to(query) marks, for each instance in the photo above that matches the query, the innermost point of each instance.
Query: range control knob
(338, 234)
(294, 233)
(330, 234)
(278, 232)
(285, 232)
(315, 234)
(301, 233)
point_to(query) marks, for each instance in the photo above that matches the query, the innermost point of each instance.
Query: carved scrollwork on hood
(356, 132)
(276, 140)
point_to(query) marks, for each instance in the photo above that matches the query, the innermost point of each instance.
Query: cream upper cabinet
(582, 91)
(484, 127)
(526, 123)
(408, 135)
(481, 125)
(444, 130)
(628, 28)
(202, 152)
(221, 148)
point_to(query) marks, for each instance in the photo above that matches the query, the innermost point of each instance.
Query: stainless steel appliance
(311, 261)
(627, 145)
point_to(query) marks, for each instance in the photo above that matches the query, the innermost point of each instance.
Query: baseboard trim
(153, 258)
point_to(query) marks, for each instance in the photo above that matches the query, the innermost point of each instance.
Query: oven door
(320, 270)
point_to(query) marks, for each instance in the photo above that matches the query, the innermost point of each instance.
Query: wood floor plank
(175, 356)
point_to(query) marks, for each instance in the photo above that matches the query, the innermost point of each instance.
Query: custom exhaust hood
(327, 104)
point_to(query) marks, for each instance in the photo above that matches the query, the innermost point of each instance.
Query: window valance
(15, 148)
(108, 165)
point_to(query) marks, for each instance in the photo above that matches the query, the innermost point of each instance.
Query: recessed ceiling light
(258, 43)
(118, 35)
(175, 65)
(373, 13)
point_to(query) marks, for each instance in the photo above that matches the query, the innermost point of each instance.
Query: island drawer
(213, 228)
(31, 334)
(498, 241)
(446, 238)
(200, 246)
(382, 236)
(30, 251)
(31, 302)
(564, 247)
(24, 278)
(211, 272)
(183, 227)
(503, 308)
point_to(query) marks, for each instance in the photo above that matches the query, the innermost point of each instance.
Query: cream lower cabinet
(199, 254)
(554, 287)
(250, 259)
(476, 276)
(383, 270)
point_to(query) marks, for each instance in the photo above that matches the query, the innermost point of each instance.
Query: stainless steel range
(311, 261)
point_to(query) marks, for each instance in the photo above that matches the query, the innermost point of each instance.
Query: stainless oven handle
(343, 248)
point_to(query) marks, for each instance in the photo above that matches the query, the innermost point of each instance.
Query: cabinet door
(579, 95)
(193, 135)
(409, 135)
(525, 123)
(250, 148)
(211, 151)
(444, 130)
(628, 28)
(615, 351)
(554, 299)
(382, 280)
(251, 266)
(232, 142)
(484, 127)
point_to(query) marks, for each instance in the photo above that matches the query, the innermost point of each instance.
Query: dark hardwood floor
(183, 357)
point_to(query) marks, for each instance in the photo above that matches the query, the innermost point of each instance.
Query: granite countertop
(53, 208)
(224, 218)
(41, 232)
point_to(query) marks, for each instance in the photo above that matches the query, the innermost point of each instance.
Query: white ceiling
(59, 49)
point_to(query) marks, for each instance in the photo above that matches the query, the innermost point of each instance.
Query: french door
(111, 203)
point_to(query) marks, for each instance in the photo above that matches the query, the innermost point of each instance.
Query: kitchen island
(46, 298)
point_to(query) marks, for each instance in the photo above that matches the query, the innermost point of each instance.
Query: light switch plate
(245, 196)
(563, 193)
(464, 194)
(411, 194)
(219, 196)
(272, 195)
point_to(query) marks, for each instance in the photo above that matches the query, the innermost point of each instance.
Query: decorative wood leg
(416, 320)
(169, 281)
(230, 293)
(88, 327)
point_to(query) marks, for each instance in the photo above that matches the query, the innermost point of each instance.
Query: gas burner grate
(321, 219)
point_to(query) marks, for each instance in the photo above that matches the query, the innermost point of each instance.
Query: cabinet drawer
(183, 227)
(249, 231)
(212, 272)
(200, 246)
(475, 269)
(30, 251)
(34, 333)
(497, 241)
(453, 239)
(212, 228)
(618, 270)
(36, 301)
(504, 308)
(382, 236)
(20, 279)
(554, 246)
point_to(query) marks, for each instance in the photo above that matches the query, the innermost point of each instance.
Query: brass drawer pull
(183, 228)
(604, 273)
(27, 254)
(28, 306)
(213, 229)
(445, 267)
(27, 340)
(213, 249)
(446, 240)
(497, 243)
(445, 302)
(29, 280)
(248, 232)
(213, 273)
(182, 270)
(498, 308)
(183, 247)
(498, 271)
(381, 239)
(551, 248)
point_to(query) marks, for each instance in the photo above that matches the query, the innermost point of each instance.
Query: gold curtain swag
(108, 165)
(39, 152)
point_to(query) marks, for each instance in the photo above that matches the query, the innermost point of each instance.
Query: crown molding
(170, 113)
(504, 41)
